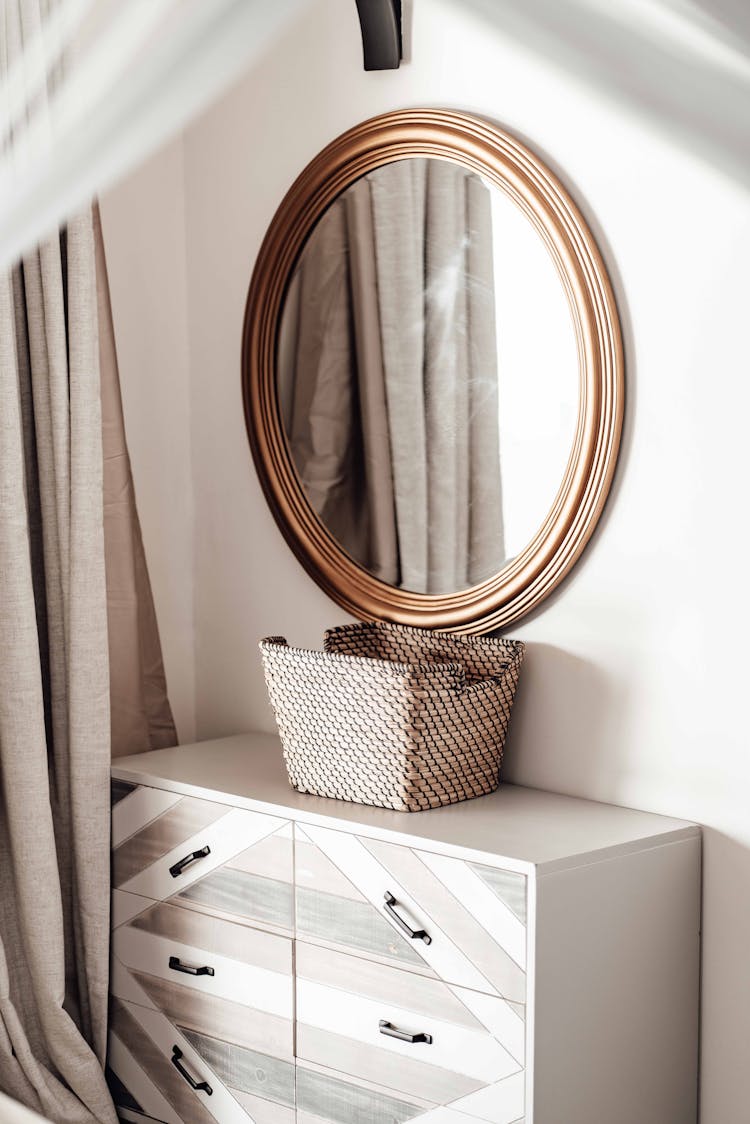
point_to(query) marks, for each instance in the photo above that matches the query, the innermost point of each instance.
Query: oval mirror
(432, 371)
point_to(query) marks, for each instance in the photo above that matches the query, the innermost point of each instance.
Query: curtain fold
(54, 687)
(388, 376)
(141, 717)
(80, 662)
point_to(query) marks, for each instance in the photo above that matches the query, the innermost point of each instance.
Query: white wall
(634, 691)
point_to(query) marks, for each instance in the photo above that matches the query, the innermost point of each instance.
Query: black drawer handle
(178, 868)
(392, 1031)
(415, 934)
(177, 966)
(199, 1086)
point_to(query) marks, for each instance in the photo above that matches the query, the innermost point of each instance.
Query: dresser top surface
(527, 826)
(523, 826)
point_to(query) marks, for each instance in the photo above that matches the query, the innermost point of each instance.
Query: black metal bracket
(380, 21)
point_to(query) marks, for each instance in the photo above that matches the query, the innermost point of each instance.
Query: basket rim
(377, 663)
(423, 675)
(468, 640)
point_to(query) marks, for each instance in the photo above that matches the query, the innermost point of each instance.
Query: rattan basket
(393, 716)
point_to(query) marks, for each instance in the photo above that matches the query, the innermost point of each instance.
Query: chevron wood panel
(337, 1099)
(477, 940)
(234, 1025)
(152, 1057)
(477, 1041)
(246, 874)
(489, 949)
(172, 827)
(325, 1096)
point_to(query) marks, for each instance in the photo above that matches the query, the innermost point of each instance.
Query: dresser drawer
(354, 1017)
(467, 921)
(215, 976)
(207, 856)
(161, 1070)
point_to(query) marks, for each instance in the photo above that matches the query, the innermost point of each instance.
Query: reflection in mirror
(427, 372)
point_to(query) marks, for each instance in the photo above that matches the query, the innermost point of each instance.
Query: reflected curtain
(388, 376)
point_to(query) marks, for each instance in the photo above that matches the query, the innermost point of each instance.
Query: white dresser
(523, 957)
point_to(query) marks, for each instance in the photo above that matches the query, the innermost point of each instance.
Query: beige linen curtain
(80, 668)
(54, 687)
(388, 368)
(141, 717)
(75, 609)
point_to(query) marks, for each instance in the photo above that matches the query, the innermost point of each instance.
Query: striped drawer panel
(208, 973)
(349, 1069)
(242, 869)
(236, 1018)
(236, 1085)
(474, 915)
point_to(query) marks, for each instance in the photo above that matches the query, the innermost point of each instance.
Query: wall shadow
(568, 730)
(685, 71)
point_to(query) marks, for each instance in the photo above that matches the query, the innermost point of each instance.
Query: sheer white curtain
(140, 70)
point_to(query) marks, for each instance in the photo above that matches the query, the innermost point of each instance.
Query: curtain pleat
(141, 714)
(54, 752)
(75, 606)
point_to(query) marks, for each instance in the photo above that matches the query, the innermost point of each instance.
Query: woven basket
(392, 716)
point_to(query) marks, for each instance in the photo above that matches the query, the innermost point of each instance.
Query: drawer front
(472, 916)
(213, 1080)
(227, 861)
(227, 980)
(355, 1017)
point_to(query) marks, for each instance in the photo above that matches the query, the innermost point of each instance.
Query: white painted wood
(610, 945)
(261, 1111)
(616, 1019)
(137, 809)
(362, 868)
(501, 1103)
(233, 833)
(249, 984)
(449, 1115)
(355, 1016)
(482, 903)
(416, 992)
(499, 1018)
(523, 828)
(137, 1082)
(358, 1082)
(221, 1104)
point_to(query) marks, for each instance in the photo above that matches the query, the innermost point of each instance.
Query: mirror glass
(428, 375)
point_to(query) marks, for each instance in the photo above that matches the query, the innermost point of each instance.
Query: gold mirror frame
(502, 160)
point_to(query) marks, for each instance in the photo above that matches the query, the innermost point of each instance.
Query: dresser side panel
(616, 990)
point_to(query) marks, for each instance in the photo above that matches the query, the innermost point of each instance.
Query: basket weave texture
(393, 716)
